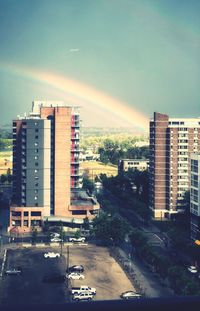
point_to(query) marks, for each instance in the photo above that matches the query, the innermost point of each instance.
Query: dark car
(54, 278)
(76, 268)
(14, 271)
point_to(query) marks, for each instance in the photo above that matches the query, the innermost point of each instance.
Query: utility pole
(61, 242)
(67, 267)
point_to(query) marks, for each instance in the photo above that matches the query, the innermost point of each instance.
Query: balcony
(75, 124)
(75, 173)
(75, 161)
(75, 137)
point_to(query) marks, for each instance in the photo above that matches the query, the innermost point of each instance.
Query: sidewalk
(145, 281)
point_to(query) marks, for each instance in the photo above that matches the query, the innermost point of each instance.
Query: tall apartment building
(172, 141)
(46, 174)
(195, 197)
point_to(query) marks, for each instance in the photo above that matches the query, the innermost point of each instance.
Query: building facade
(172, 141)
(46, 175)
(195, 197)
(132, 164)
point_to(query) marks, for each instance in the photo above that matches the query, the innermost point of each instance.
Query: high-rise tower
(172, 141)
(46, 174)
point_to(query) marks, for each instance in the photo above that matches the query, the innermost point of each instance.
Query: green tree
(77, 234)
(61, 232)
(110, 229)
(46, 225)
(34, 235)
(3, 178)
(88, 184)
(86, 223)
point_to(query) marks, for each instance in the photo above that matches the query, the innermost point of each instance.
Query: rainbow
(83, 92)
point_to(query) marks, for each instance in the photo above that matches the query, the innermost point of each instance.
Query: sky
(142, 55)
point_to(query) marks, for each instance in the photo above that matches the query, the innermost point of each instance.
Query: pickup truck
(83, 296)
(83, 289)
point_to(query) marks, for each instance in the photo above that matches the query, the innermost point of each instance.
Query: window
(36, 123)
(36, 171)
(36, 136)
(36, 144)
(35, 213)
(36, 130)
(36, 163)
(36, 150)
(36, 157)
(81, 212)
(25, 213)
(14, 213)
(36, 197)
(25, 223)
(36, 184)
(36, 191)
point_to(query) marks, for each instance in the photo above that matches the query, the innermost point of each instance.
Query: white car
(83, 296)
(192, 269)
(130, 295)
(75, 276)
(73, 239)
(55, 235)
(51, 255)
(56, 239)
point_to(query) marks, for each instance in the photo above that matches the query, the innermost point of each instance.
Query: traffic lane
(100, 270)
(29, 287)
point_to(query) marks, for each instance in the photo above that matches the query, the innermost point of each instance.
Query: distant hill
(99, 131)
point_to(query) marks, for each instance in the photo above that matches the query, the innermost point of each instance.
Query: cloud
(74, 50)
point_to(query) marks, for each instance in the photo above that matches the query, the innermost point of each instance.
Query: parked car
(76, 268)
(14, 271)
(192, 269)
(56, 239)
(75, 276)
(54, 235)
(83, 289)
(54, 278)
(51, 255)
(73, 239)
(83, 296)
(130, 295)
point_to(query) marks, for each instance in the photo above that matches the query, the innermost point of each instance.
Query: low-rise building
(133, 164)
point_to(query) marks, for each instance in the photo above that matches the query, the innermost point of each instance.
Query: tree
(138, 238)
(34, 235)
(86, 223)
(110, 229)
(77, 234)
(3, 178)
(9, 176)
(46, 225)
(61, 231)
(88, 184)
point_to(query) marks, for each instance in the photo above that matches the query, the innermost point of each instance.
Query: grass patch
(94, 168)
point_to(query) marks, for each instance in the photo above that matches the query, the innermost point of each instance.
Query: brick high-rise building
(195, 197)
(172, 141)
(46, 174)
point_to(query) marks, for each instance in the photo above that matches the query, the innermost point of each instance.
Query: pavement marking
(3, 263)
(158, 237)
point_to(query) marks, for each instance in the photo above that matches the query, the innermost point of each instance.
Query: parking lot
(101, 272)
